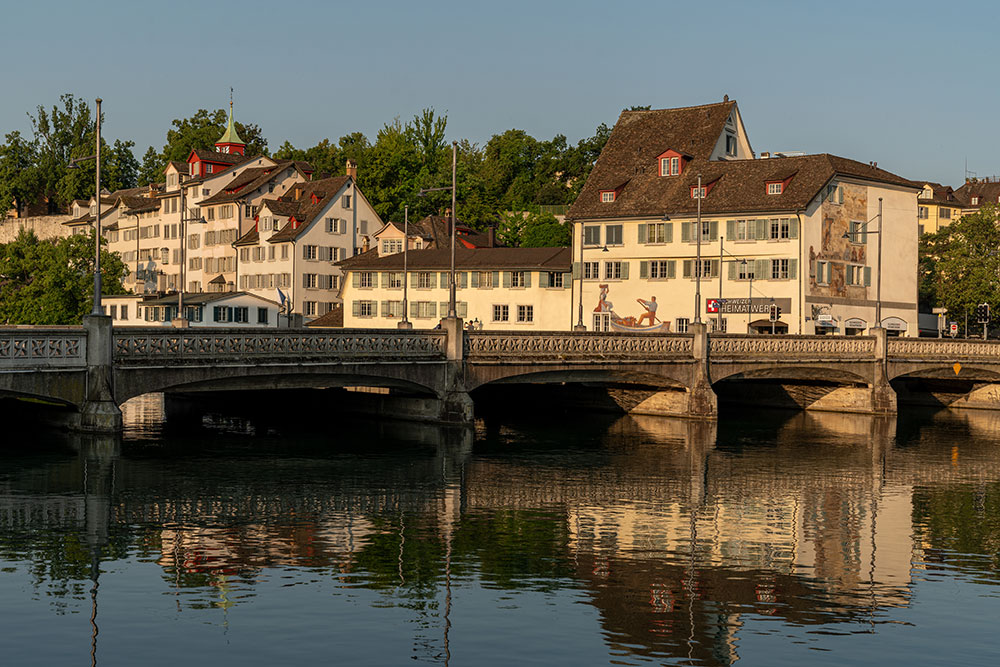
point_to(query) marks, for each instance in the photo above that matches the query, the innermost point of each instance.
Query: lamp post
(405, 323)
(749, 274)
(878, 281)
(697, 273)
(181, 320)
(423, 192)
(580, 326)
(98, 309)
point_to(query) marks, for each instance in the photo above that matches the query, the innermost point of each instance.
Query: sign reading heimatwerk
(755, 305)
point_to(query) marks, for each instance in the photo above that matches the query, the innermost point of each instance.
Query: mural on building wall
(646, 321)
(850, 206)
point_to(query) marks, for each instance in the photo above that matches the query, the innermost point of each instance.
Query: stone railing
(513, 346)
(915, 349)
(43, 347)
(780, 348)
(210, 345)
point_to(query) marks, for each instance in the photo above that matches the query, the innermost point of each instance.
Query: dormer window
(670, 166)
(775, 188)
(975, 201)
(730, 145)
(607, 196)
(698, 193)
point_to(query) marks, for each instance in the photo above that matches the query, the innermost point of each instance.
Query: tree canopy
(52, 281)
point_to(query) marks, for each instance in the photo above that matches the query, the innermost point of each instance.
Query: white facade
(234, 309)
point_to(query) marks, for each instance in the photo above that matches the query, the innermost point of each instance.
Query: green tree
(52, 281)
(151, 170)
(203, 129)
(64, 132)
(120, 169)
(543, 230)
(19, 179)
(427, 132)
(960, 264)
(392, 170)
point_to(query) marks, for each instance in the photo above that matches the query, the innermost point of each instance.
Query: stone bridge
(93, 369)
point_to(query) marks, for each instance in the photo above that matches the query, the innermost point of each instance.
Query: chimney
(352, 169)
(491, 237)
(365, 245)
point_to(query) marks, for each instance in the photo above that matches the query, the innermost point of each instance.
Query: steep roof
(305, 211)
(230, 136)
(216, 156)
(333, 319)
(436, 231)
(248, 181)
(987, 191)
(482, 259)
(736, 186)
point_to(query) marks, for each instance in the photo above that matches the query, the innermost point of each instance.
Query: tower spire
(230, 141)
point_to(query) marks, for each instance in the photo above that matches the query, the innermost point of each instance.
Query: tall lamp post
(698, 267)
(405, 323)
(181, 320)
(422, 193)
(98, 309)
(878, 282)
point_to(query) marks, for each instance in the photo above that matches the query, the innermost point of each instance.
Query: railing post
(702, 401)
(99, 412)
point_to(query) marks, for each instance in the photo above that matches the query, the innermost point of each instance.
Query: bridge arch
(649, 375)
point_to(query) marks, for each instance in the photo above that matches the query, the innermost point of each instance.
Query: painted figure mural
(630, 322)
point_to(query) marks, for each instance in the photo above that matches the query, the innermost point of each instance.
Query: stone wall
(44, 227)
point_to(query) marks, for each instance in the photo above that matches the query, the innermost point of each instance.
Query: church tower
(230, 142)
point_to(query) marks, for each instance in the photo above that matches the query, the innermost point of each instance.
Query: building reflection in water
(679, 532)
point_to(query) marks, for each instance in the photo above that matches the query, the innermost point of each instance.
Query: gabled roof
(216, 156)
(987, 191)
(436, 231)
(247, 182)
(306, 211)
(481, 259)
(182, 167)
(333, 319)
(739, 187)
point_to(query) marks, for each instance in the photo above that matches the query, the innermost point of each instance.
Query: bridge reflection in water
(678, 533)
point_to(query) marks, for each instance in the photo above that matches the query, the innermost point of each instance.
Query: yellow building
(937, 207)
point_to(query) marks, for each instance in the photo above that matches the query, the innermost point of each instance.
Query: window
(607, 196)
(718, 324)
(744, 270)
(366, 309)
(682, 324)
(392, 309)
(555, 279)
(284, 252)
(824, 273)
(975, 201)
(309, 252)
(425, 280)
(486, 279)
(392, 246)
(835, 194)
(660, 269)
(309, 280)
(525, 313)
(730, 147)
(602, 321)
(857, 232)
(775, 188)
(613, 234)
(613, 270)
(859, 276)
(922, 212)
(592, 235)
(395, 280)
(658, 232)
(779, 269)
(709, 268)
(423, 309)
(944, 213)
(261, 315)
(366, 279)
(124, 311)
(345, 201)
(270, 253)
(781, 228)
(695, 192)
(670, 166)
(501, 313)
(517, 278)
(309, 308)
(591, 270)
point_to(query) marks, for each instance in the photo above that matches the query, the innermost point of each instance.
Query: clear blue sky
(907, 84)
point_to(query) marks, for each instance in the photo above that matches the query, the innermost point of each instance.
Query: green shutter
(670, 232)
(685, 232)
(527, 278)
(356, 308)
(463, 279)
(444, 279)
(433, 312)
(385, 309)
(793, 228)
(576, 270)
(474, 279)
(688, 264)
(840, 195)
(868, 276)
(496, 278)
(671, 269)
(731, 230)
(714, 268)
(644, 269)
(506, 278)
(642, 233)
(625, 270)
(829, 272)
(567, 280)
(385, 280)
(793, 268)
(543, 278)
(355, 279)
(713, 230)
(732, 270)
(762, 231)
(762, 269)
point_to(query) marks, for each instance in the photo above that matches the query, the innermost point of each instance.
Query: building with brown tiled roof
(937, 206)
(793, 225)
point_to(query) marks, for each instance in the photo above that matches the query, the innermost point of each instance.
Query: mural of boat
(628, 324)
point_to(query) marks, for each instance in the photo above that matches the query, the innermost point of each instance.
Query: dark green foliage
(52, 281)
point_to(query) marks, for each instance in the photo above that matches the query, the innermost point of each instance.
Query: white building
(216, 309)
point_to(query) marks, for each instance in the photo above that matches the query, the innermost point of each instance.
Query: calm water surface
(771, 539)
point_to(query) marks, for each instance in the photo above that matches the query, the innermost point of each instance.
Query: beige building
(937, 206)
(799, 233)
(496, 288)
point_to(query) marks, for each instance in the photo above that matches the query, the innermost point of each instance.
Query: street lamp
(580, 326)
(878, 283)
(423, 192)
(405, 323)
(98, 310)
(698, 267)
(181, 320)
(749, 274)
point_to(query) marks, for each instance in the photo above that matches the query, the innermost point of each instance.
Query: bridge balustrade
(786, 347)
(942, 348)
(43, 347)
(208, 346)
(528, 346)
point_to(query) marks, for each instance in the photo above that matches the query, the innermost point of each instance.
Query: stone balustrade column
(883, 396)
(99, 412)
(702, 401)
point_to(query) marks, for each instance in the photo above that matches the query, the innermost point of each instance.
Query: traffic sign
(953, 328)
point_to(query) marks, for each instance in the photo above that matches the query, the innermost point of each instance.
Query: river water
(770, 539)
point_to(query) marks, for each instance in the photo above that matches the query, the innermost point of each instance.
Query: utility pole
(697, 273)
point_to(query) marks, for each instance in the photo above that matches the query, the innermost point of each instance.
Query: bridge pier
(99, 412)
(456, 404)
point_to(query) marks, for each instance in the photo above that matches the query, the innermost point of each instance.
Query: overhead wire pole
(451, 296)
(697, 273)
(98, 309)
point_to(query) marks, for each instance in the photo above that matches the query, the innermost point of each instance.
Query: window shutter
(762, 231)
(414, 280)
(713, 230)
(413, 309)
(793, 268)
(385, 280)
(305, 253)
(575, 270)
(761, 269)
(496, 278)
(506, 278)
(868, 276)
(644, 269)
(625, 270)
(670, 232)
(671, 269)
(732, 270)
(793, 228)
(864, 234)
(385, 309)
(463, 279)
(543, 279)
(433, 309)
(688, 263)
(642, 233)
(527, 278)
(444, 279)
(567, 280)
(355, 279)
(714, 270)
(356, 308)
(685, 232)
(829, 272)
(475, 279)
(731, 230)
(840, 195)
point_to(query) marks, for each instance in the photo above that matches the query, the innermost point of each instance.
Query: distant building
(937, 206)
(228, 309)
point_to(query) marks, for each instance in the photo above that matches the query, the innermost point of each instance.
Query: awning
(218, 280)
